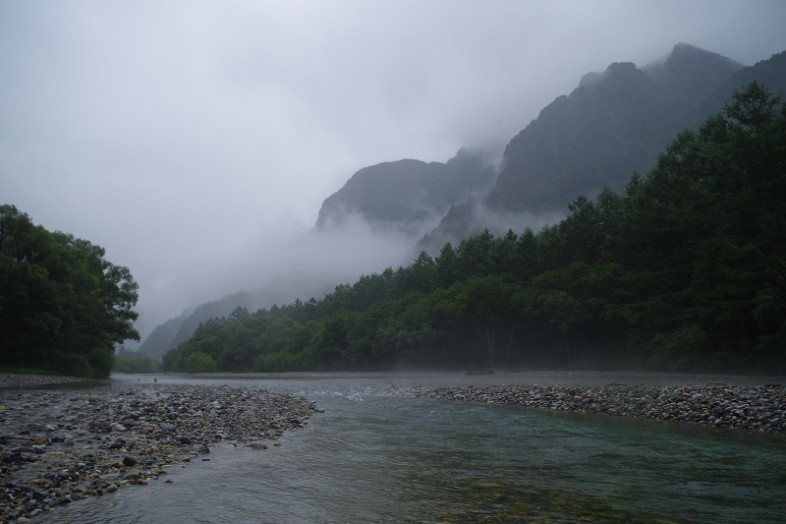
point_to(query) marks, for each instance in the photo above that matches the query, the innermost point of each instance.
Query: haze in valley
(196, 140)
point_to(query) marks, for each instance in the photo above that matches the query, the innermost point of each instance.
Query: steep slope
(690, 74)
(613, 124)
(407, 195)
(770, 73)
(176, 330)
(463, 220)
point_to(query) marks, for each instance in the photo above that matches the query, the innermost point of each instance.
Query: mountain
(612, 124)
(681, 272)
(770, 73)
(176, 330)
(690, 74)
(408, 195)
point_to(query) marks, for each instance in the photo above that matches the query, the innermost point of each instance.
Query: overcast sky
(196, 140)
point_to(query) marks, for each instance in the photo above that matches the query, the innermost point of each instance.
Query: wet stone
(129, 461)
(739, 407)
(57, 449)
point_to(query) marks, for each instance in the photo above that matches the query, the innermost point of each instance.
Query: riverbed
(379, 453)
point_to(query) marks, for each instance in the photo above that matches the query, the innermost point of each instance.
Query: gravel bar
(58, 446)
(12, 380)
(757, 408)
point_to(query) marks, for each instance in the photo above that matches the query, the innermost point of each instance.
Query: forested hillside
(614, 123)
(683, 270)
(176, 330)
(63, 306)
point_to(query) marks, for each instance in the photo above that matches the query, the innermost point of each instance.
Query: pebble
(756, 408)
(59, 446)
(13, 380)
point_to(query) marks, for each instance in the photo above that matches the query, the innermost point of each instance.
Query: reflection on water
(378, 455)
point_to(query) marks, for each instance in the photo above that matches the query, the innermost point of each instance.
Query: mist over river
(380, 454)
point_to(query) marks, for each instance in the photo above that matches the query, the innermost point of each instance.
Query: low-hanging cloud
(196, 140)
(281, 265)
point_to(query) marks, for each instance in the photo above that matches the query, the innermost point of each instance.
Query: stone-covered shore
(757, 408)
(58, 446)
(12, 380)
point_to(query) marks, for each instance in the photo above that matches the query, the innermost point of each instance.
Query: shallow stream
(379, 454)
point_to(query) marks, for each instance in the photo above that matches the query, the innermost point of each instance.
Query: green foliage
(24, 371)
(616, 123)
(278, 362)
(199, 362)
(131, 362)
(63, 306)
(680, 350)
(683, 271)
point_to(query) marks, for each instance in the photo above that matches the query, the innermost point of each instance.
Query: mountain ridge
(515, 193)
(410, 195)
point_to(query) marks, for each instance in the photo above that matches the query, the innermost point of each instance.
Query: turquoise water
(380, 455)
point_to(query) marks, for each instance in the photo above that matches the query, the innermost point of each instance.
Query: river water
(378, 454)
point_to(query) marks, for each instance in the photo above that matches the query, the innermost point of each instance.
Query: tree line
(684, 270)
(63, 306)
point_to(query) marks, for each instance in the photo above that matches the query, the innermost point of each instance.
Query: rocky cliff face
(408, 195)
(770, 73)
(613, 124)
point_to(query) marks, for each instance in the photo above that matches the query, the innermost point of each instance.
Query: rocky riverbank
(58, 446)
(12, 380)
(756, 408)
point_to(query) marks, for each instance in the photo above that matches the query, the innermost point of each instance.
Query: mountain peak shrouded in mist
(404, 192)
(408, 195)
(614, 123)
(692, 72)
(197, 142)
(770, 72)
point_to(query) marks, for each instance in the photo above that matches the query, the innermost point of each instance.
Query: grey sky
(196, 140)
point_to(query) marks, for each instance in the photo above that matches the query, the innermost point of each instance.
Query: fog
(195, 140)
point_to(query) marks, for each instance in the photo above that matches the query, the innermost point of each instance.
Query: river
(379, 454)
